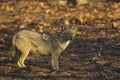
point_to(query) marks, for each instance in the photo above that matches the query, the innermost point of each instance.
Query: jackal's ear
(72, 26)
(63, 28)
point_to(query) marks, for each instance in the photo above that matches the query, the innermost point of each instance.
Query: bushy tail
(12, 53)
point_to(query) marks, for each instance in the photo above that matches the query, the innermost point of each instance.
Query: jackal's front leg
(54, 61)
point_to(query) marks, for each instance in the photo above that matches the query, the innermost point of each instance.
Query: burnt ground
(94, 54)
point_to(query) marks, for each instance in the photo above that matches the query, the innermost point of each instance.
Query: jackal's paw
(21, 65)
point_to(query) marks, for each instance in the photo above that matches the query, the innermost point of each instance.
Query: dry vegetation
(94, 54)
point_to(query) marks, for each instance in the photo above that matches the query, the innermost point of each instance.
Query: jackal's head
(67, 34)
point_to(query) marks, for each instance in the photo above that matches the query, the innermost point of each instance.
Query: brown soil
(94, 54)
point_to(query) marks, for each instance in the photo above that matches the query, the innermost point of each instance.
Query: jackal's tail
(12, 53)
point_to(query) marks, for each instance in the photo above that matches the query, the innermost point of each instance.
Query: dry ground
(94, 54)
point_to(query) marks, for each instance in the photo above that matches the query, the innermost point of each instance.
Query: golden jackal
(27, 41)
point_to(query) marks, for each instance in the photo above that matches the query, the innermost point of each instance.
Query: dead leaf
(9, 8)
(73, 55)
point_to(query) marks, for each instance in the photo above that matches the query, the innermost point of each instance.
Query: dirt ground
(94, 54)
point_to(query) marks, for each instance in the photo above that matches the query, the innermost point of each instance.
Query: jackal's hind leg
(22, 59)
